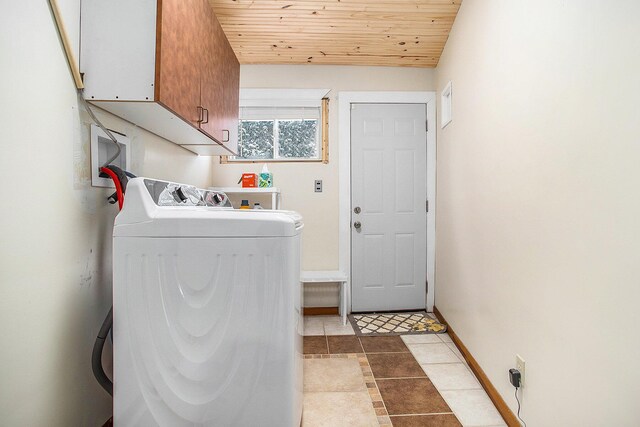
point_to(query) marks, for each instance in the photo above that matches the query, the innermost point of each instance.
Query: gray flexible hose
(96, 355)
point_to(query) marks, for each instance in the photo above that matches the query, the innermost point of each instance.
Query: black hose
(113, 199)
(96, 355)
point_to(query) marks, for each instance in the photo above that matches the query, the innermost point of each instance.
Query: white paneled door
(388, 206)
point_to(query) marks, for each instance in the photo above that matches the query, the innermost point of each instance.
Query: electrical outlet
(520, 367)
(318, 186)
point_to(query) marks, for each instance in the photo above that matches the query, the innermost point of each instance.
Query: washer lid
(141, 216)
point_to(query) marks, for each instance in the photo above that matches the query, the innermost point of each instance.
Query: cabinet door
(220, 88)
(210, 84)
(180, 31)
(230, 107)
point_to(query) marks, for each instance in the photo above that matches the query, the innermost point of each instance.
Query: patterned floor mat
(417, 322)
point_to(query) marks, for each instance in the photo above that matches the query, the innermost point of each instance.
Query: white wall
(320, 210)
(538, 229)
(55, 250)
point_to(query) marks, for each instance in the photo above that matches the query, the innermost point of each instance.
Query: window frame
(323, 143)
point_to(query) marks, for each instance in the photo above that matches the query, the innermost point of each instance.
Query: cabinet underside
(159, 120)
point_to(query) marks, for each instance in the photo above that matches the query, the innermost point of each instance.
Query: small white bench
(330, 277)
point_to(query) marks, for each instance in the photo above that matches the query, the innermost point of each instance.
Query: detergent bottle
(265, 179)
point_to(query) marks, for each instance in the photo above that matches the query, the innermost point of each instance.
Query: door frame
(345, 99)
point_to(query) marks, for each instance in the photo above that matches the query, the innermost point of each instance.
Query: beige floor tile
(433, 353)
(455, 350)
(338, 409)
(313, 326)
(445, 337)
(451, 376)
(421, 339)
(333, 375)
(472, 407)
(333, 326)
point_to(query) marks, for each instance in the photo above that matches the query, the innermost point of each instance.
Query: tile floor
(406, 381)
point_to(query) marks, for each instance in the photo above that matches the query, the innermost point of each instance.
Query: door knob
(357, 225)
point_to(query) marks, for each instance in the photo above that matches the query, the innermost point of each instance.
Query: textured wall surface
(537, 217)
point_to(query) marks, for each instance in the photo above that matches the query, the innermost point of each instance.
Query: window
(279, 133)
(281, 130)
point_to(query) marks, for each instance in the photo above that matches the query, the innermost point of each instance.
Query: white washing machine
(207, 312)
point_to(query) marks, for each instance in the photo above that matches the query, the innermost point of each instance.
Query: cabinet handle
(207, 115)
(225, 138)
(200, 114)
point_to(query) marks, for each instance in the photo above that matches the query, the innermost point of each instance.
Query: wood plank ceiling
(346, 32)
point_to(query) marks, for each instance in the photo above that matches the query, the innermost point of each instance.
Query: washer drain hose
(96, 355)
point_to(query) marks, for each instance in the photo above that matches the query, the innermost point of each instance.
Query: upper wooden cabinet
(165, 65)
(220, 82)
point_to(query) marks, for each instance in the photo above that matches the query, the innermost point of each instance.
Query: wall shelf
(274, 191)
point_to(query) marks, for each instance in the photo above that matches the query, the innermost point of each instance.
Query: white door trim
(345, 99)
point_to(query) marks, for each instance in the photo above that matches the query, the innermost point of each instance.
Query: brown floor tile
(383, 344)
(394, 365)
(315, 345)
(446, 420)
(344, 344)
(411, 396)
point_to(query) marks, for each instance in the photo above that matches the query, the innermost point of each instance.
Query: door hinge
(426, 123)
(427, 206)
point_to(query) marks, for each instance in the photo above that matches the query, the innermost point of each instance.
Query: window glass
(298, 139)
(256, 139)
